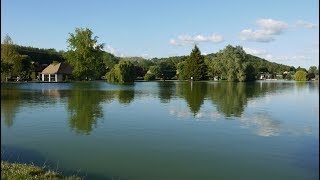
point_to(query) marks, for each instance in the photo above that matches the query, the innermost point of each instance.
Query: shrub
(149, 77)
(300, 75)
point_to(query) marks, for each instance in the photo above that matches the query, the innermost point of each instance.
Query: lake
(165, 130)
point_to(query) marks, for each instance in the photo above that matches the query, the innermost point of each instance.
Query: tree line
(91, 62)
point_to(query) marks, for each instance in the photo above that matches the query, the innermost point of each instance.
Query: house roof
(60, 68)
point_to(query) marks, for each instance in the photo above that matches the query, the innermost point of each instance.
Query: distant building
(56, 72)
(279, 76)
(266, 76)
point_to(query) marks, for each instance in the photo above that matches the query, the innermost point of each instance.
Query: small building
(265, 76)
(56, 72)
(279, 76)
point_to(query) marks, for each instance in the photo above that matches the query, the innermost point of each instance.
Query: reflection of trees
(301, 85)
(194, 93)
(125, 96)
(85, 109)
(165, 90)
(10, 102)
(84, 105)
(231, 98)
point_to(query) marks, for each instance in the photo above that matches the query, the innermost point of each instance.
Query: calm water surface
(165, 130)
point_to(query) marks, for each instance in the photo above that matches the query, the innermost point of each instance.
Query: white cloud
(306, 24)
(257, 52)
(272, 26)
(184, 40)
(254, 51)
(269, 28)
(258, 35)
(299, 56)
(113, 51)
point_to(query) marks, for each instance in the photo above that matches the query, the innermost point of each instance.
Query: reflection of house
(56, 72)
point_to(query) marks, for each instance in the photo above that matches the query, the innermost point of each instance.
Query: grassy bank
(23, 171)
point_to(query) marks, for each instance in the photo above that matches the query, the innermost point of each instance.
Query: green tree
(300, 75)
(313, 69)
(232, 62)
(195, 66)
(249, 72)
(9, 56)
(110, 60)
(300, 68)
(181, 72)
(149, 77)
(122, 72)
(310, 76)
(155, 70)
(288, 76)
(22, 67)
(85, 54)
(167, 70)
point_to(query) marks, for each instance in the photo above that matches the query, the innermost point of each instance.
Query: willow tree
(85, 54)
(232, 61)
(195, 66)
(122, 73)
(300, 75)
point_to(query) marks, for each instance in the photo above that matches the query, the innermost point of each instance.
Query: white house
(56, 72)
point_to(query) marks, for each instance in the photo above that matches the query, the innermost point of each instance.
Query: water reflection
(232, 98)
(194, 94)
(125, 96)
(85, 106)
(166, 90)
(265, 124)
(10, 102)
(84, 109)
(84, 102)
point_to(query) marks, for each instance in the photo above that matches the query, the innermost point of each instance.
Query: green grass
(12, 171)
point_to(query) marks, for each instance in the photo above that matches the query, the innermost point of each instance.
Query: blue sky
(285, 31)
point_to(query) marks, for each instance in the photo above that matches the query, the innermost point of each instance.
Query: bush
(300, 75)
(310, 76)
(121, 73)
(149, 77)
(288, 76)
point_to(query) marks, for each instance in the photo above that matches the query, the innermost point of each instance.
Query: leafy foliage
(195, 66)
(300, 75)
(155, 70)
(149, 77)
(313, 69)
(109, 60)
(122, 72)
(167, 70)
(12, 63)
(232, 63)
(85, 55)
(41, 56)
(288, 76)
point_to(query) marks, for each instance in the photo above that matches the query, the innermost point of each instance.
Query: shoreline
(28, 171)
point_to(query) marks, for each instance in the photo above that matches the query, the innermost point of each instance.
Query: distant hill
(42, 56)
(47, 56)
(260, 63)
